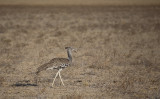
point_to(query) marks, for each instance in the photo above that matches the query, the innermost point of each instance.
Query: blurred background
(79, 2)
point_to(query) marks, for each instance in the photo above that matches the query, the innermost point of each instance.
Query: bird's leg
(55, 77)
(60, 76)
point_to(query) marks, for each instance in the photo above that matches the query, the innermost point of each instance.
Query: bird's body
(57, 63)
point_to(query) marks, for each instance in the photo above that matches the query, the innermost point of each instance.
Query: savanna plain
(118, 52)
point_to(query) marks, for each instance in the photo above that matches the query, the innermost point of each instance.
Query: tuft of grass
(2, 80)
(73, 96)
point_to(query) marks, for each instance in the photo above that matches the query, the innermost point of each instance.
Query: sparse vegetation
(118, 52)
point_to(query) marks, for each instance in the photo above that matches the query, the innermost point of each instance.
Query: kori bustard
(57, 63)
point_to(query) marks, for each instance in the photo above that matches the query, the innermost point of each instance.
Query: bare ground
(118, 52)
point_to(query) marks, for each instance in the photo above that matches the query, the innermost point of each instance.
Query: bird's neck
(69, 55)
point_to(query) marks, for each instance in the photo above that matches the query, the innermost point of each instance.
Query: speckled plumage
(55, 63)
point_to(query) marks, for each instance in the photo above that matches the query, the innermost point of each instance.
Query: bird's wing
(54, 63)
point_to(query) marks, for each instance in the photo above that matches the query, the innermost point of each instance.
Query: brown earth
(118, 52)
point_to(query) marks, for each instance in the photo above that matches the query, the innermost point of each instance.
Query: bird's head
(71, 49)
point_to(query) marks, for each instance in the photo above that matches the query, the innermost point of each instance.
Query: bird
(58, 64)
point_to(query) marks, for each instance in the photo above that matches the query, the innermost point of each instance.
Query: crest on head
(68, 48)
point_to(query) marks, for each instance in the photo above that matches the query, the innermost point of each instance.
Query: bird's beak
(74, 50)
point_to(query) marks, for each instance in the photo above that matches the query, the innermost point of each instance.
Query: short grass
(118, 52)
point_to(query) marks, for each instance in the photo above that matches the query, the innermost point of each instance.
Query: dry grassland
(79, 2)
(118, 52)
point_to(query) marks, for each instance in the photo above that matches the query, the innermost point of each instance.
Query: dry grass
(118, 52)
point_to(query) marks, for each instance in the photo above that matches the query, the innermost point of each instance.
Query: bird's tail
(41, 68)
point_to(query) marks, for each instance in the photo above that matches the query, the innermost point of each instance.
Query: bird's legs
(60, 77)
(55, 77)
(58, 73)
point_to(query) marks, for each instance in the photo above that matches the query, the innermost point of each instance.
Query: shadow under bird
(57, 63)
